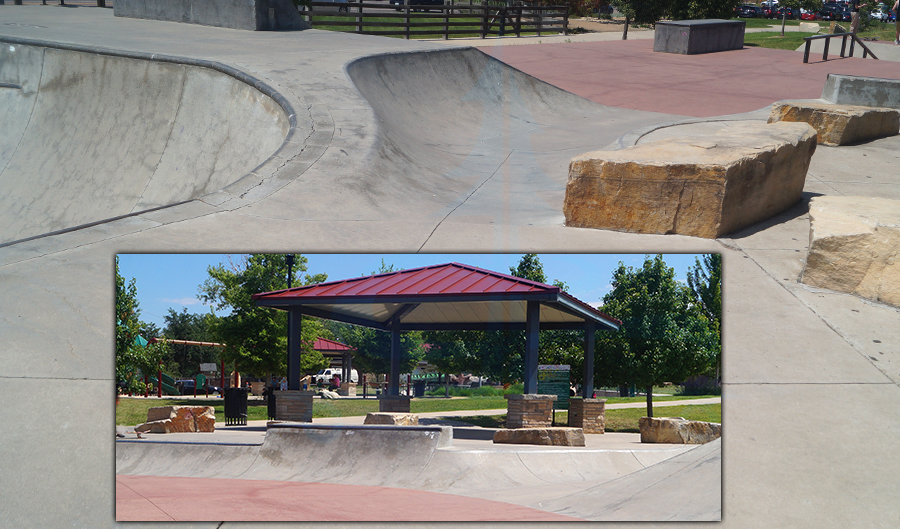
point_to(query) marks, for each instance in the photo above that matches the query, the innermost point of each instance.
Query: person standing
(896, 10)
(854, 15)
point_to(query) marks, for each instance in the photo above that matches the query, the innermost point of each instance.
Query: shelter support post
(532, 334)
(294, 333)
(394, 385)
(587, 389)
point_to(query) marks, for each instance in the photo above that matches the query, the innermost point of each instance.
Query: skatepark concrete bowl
(620, 482)
(86, 137)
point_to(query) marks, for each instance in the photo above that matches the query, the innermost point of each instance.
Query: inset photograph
(418, 387)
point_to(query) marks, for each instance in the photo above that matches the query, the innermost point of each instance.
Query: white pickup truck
(325, 375)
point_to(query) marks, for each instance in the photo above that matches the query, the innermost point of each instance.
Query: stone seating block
(541, 436)
(394, 419)
(839, 124)
(691, 37)
(704, 186)
(853, 247)
(677, 430)
(175, 419)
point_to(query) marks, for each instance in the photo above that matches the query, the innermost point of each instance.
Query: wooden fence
(438, 20)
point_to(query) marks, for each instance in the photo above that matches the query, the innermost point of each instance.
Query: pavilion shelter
(333, 350)
(441, 297)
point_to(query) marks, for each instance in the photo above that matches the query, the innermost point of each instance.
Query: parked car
(809, 15)
(830, 13)
(324, 376)
(792, 14)
(745, 11)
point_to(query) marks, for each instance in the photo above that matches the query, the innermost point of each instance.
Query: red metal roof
(324, 344)
(451, 293)
(444, 279)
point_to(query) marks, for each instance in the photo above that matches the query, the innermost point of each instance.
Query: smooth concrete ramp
(424, 458)
(681, 489)
(86, 137)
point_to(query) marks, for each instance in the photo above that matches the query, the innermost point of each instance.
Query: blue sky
(171, 280)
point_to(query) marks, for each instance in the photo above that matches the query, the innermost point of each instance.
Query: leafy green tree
(702, 9)
(705, 282)
(373, 349)
(134, 355)
(255, 337)
(663, 336)
(647, 12)
(185, 360)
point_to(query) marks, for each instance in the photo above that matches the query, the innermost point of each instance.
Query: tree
(373, 348)
(702, 9)
(814, 5)
(185, 360)
(134, 354)
(255, 337)
(705, 282)
(663, 336)
(640, 12)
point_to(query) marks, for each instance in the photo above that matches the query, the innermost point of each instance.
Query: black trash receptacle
(270, 399)
(236, 406)
(419, 389)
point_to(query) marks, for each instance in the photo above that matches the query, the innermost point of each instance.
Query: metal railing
(853, 40)
(91, 3)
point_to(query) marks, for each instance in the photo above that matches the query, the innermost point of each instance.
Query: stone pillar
(529, 411)
(587, 414)
(347, 389)
(393, 403)
(296, 406)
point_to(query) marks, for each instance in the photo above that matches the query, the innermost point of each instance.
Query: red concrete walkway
(631, 75)
(154, 498)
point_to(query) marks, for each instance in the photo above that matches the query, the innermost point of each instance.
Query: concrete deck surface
(810, 376)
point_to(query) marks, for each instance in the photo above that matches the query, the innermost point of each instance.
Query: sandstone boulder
(854, 247)
(541, 436)
(705, 186)
(394, 419)
(175, 419)
(839, 124)
(678, 430)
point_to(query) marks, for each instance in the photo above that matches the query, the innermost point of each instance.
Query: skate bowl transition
(92, 136)
(666, 481)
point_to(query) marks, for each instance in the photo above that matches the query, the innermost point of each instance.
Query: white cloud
(187, 302)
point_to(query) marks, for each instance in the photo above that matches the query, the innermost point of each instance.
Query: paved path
(155, 498)
(732, 82)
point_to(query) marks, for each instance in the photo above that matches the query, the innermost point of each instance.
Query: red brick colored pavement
(157, 498)
(629, 74)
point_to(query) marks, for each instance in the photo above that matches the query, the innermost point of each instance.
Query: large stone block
(541, 436)
(175, 419)
(854, 247)
(690, 37)
(678, 430)
(395, 419)
(705, 186)
(839, 124)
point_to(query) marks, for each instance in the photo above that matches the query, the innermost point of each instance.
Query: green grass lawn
(774, 40)
(766, 22)
(131, 412)
(617, 420)
(793, 40)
